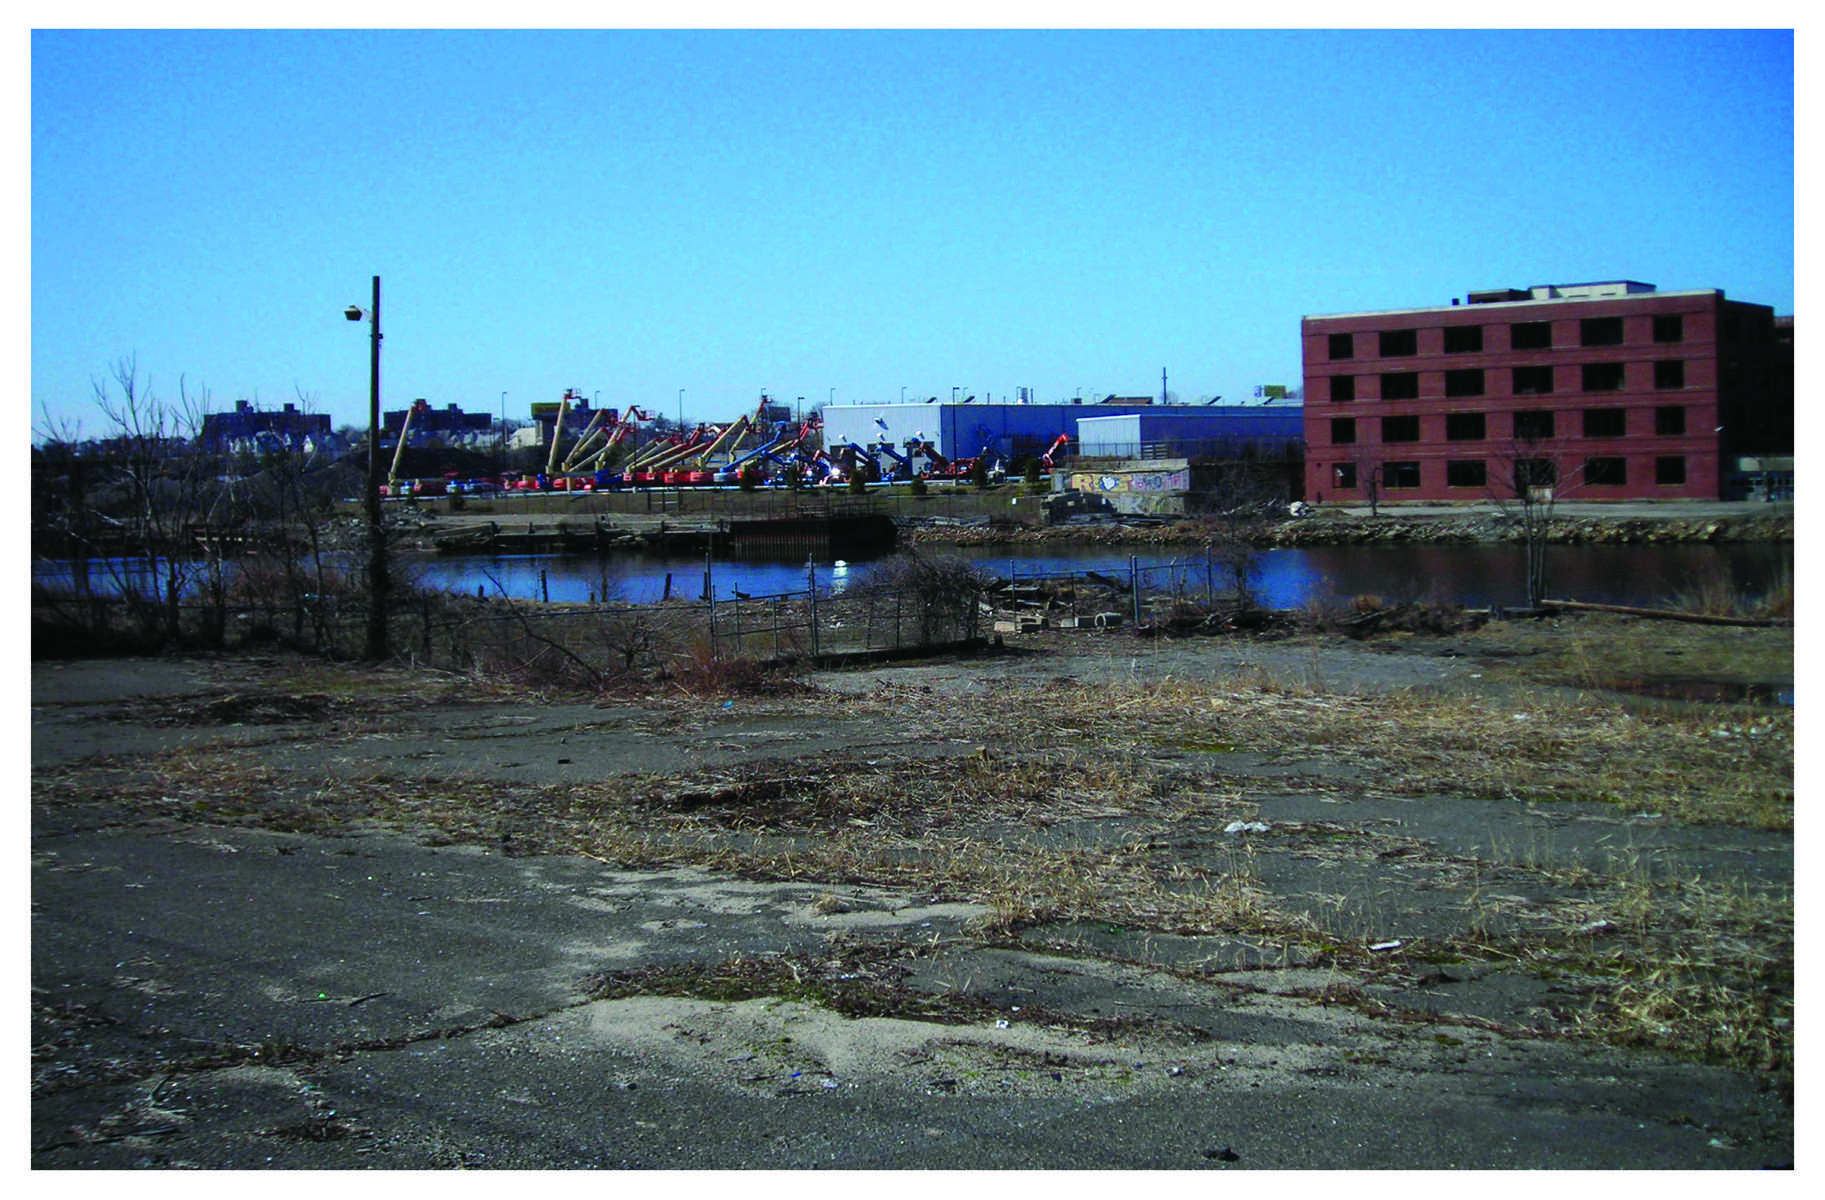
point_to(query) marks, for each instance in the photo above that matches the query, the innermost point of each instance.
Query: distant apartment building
(431, 424)
(250, 429)
(1602, 391)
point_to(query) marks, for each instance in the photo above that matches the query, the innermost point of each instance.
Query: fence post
(811, 595)
(1134, 588)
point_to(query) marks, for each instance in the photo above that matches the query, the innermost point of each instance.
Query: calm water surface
(1474, 575)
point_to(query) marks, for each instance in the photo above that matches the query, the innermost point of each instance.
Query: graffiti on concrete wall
(1150, 482)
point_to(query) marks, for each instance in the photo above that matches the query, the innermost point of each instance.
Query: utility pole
(377, 533)
(1162, 385)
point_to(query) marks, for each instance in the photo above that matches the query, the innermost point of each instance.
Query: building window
(1533, 426)
(1606, 472)
(1463, 339)
(1670, 469)
(1400, 429)
(1533, 381)
(1466, 382)
(1670, 419)
(1605, 422)
(1530, 335)
(1400, 475)
(1343, 430)
(1400, 385)
(1603, 377)
(1670, 328)
(1468, 472)
(1535, 473)
(1346, 476)
(1464, 427)
(1343, 345)
(1670, 373)
(1343, 387)
(1600, 331)
(1398, 343)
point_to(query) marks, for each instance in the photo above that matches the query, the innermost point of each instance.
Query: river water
(1474, 575)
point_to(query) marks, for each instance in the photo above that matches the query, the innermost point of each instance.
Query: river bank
(1352, 529)
(418, 527)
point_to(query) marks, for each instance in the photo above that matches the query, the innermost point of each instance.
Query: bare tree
(1527, 477)
(1241, 499)
(1369, 479)
(160, 473)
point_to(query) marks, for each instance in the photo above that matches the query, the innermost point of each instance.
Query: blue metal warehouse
(1015, 431)
(962, 430)
(1205, 431)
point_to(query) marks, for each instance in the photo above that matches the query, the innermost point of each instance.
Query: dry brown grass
(1069, 805)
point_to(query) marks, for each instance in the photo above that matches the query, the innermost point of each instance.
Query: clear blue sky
(632, 213)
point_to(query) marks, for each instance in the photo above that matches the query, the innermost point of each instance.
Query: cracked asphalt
(229, 997)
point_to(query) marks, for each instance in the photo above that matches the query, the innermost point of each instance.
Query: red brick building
(1602, 391)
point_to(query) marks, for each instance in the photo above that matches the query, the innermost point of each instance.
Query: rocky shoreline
(1346, 530)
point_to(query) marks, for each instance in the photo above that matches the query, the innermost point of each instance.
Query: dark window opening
(1531, 335)
(1535, 473)
(1343, 387)
(1533, 381)
(1465, 382)
(1346, 476)
(1464, 427)
(1603, 377)
(1400, 475)
(1670, 469)
(1670, 373)
(1600, 331)
(1670, 328)
(1343, 345)
(1466, 473)
(1463, 339)
(1533, 426)
(1343, 430)
(1400, 385)
(1670, 419)
(1397, 343)
(1400, 429)
(1605, 422)
(1606, 472)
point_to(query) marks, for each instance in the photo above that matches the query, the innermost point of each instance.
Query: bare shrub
(942, 595)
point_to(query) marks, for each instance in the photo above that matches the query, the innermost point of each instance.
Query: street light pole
(377, 534)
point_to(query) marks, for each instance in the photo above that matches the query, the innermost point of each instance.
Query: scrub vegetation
(1163, 808)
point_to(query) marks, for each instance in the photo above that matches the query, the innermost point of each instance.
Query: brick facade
(1603, 391)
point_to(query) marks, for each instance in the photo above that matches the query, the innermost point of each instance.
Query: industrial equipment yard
(1513, 896)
